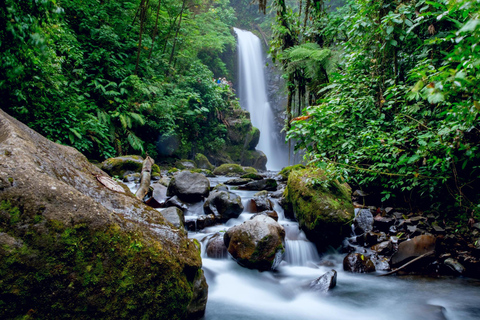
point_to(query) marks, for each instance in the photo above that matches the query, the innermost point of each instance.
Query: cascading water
(253, 97)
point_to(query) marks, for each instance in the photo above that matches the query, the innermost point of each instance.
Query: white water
(253, 97)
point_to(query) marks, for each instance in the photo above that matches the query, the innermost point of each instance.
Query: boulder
(189, 186)
(132, 177)
(224, 205)
(159, 193)
(324, 283)
(232, 170)
(260, 202)
(237, 181)
(264, 184)
(358, 263)
(78, 248)
(270, 213)
(185, 164)
(216, 248)
(383, 248)
(175, 216)
(220, 187)
(383, 223)
(119, 166)
(202, 162)
(363, 221)
(413, 248)
(323, 210)
(205, 221)
(252, 176)
(257, 243)
(176, 202)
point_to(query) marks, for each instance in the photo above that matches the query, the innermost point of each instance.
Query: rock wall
(72, 248)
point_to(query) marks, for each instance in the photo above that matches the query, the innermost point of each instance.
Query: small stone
(454, 265)
(324, 283)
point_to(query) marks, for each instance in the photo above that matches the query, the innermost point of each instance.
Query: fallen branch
(145, 180)
(406, 264)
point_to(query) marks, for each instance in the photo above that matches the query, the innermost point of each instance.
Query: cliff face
(72, 248)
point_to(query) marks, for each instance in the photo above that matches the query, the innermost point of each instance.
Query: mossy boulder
(119, 166)
(71, 248)
(253, 137)
(253, 176)
(232, 169)
(323, 208)
(285, 172)
(202, 162)
(185, 164)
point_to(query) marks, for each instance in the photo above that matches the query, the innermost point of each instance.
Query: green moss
(65, 272)
(202, 162)
(232, 169)
(253, 138)
(286, 171)
(252, 176)
(9, 213)
(322, 208)
(156, 169)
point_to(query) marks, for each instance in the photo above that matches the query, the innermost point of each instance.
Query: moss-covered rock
(73, 248)
(323, 208)
(185, 164)
(253, 137)
(253, 176)
(286, 171)
(202, 162)
(232, 169)
(117, 167)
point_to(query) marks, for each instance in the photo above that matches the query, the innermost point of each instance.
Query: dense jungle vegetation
(381, 94)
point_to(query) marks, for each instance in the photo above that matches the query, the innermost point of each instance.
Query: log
(406, 264)
(145, 180)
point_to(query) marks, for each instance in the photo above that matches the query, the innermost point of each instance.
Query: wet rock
(189, 186)
(383, 248)
(252, 176)
(54, 201)
(119, 166)
(238, 181)
(383, 223)
(205, 221)
(220, 187)
(232, 170)
(415, 220)
(279, 193)
(363, 221)
(175, 216)
(411, 249)
(264, 184)
(176, 202)
(257, 243)
(132, 177)
(165, 181)
(203, 163)
(454, 265)
(269, 213)
(224, 205)
(260, 202)
(159, 193)
(370, 238)
(358, 263)
(185, 164)
(324, 283)
(216, 248)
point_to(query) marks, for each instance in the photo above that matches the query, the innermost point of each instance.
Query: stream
(239, 293)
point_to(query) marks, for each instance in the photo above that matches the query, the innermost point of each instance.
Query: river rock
(383, 223)
(232, 170)
(132, 177)
(264, 184)
(238, 181)
(220, 187)
(176, 202)
(454, 265)
(383, 248)
(411, 249)
(252, 176)
(205, 221)
(216, 248)
(358, 263)
(224, 205)
(189, 186)
(159, 193)
(119, 166)
(260, 202)
(324, 211)
(185, 164)
(175, 216)
(202, 162)
(257, 243)
(84, 248)
(270, 213)
(324, 283)
(363, 221)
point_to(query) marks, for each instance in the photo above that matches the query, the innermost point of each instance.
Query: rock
(408, 250)
(117, 167)
(270, 213)
(232, 169)
(383, 248)
(205, 221)
(358, 263)
(176, 202)
(185, 164)
(285, 172)
(264, 184)
(224, 205)
(252, 176)
(257, 243)
(188, 186)
(81, 249)
(370, 238)
(203, 163)
(216, 248)
(324, 211)
(164, 181)
(278, 194)
(237, 181)
(324, 283)
(363, 221)
(175, 216)
(196, 308)
(159, 193)
(454, 265)
(132, 177)
(260, 203)
(220, 187)
(383, 223)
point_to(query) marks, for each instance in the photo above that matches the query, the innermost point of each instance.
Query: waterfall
(253, 98)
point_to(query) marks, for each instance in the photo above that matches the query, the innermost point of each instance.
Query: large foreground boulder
(189, 186)
(71, 248)
(257, 243)
(323, 208)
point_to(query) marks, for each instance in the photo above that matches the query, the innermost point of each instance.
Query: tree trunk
(176, 33)
(143, 11)
(155, 30)
(145, 181)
